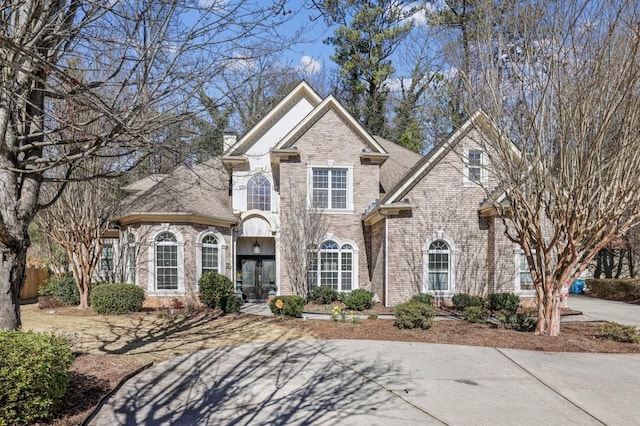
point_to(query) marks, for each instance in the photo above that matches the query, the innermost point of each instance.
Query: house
(394, 222)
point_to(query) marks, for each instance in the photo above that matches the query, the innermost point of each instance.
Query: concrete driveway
(594, 309)
(379, 383)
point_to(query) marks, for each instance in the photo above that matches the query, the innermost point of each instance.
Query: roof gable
(301, 91)
(330, 103)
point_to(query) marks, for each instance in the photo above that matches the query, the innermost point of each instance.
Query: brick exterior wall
(331, 142)
(187, 234)
(445, 207)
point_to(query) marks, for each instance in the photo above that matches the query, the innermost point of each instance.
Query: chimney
(229, 138)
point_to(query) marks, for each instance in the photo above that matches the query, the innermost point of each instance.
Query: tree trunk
(549, 301)
(12, 276)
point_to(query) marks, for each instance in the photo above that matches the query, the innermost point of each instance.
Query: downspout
(386, 262)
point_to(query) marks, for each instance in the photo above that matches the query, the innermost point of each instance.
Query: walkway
(379, 383)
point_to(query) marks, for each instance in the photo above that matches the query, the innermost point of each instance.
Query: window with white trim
(259, 193)
(210, 254)
(131, 258)
(439, 266)
(524, 281)
(333, 266)
(106, 259)
(330, 188)
(166, 261)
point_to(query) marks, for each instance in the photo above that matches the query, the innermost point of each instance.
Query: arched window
(210, 254)
(166, 249)
(439, 266)
(333, 266)
(259, 193)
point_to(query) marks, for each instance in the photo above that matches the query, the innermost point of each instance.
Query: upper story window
(166, 261)
(475, 172)
(259, 193)
(330, 189)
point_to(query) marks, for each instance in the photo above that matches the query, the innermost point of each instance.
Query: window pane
(259, 193)
(106, 258)
(167, 266)
(526, 282)
(438, 266)
(321, 198)
(346, 268)
(438, 280)
(209, 259)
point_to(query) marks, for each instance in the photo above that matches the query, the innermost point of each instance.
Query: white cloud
(215, 4)
(310, 65)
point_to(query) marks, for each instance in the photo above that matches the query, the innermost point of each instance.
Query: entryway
(257, 276)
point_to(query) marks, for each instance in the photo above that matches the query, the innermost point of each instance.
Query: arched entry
(256, 258)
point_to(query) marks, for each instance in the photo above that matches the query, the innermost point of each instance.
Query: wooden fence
(35, 278)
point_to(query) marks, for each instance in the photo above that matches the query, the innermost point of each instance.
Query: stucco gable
(301, 91)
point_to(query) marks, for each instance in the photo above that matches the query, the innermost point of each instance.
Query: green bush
(476, 314)
(423, 298)
(323, 295)
(519, 322)
(358, 300)
(213, 287)
(292, 306)
(64, 289)
(506, 303)
(462, 301)
(117, 298)
(231, 303)
(622, 289)
(34, 376)
(414, 314)
(620, 333)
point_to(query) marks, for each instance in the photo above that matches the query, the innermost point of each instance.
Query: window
(166, 262)
(332, 266)
(524, 280)
(439, 266)
(106, 259)
(210, 254)
(259, 193)
(329, 188)
(131, 258)
(474, 167)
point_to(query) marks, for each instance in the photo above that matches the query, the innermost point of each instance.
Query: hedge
(34, 376)
(213, 288)
(63, 289)
(414, 314)
(323, 295)
(290, 306)
(358, 300)
(117, 298)
(623, 289)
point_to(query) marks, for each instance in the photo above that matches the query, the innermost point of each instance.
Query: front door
(258, 276)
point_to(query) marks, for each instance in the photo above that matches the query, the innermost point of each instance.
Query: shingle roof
(200, 191)
(399, 162)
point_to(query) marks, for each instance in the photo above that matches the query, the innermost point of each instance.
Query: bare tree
(77, 221)
(562, 92)
(133, 67)
(306, 227)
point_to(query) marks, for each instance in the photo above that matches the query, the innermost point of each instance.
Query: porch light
(256, 247)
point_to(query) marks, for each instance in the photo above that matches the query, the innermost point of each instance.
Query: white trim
(151, 242)
(331, 165)
(483, 168)
(517, 253)
(249, 178)
(453, 252)
(355, 252)
(222, 249)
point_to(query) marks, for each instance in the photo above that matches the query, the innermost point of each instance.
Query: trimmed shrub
(477, 314)
(116, 298)
(64, 289)
(423, 298)
(623, 289)
(231, 303)
(414, 314)
(506, 303)
(462, 301)
(323, 295)
(213, 287)
(34, 372)
(291, 306)
(358, 300)
(620, 333)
